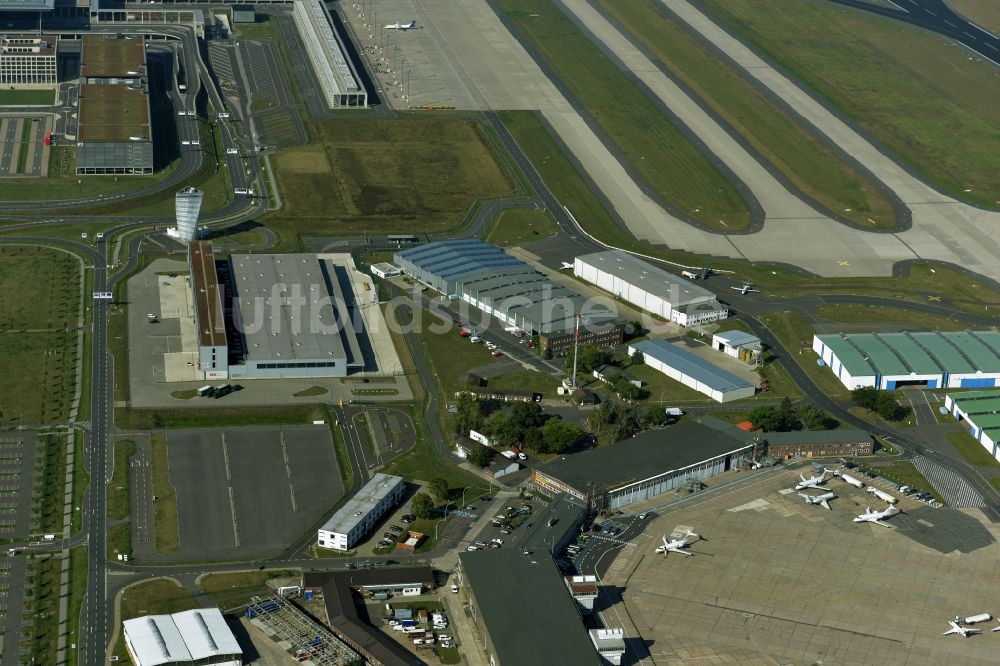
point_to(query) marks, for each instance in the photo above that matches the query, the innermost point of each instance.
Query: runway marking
(232, 508)
(934, 298)
(288, 472)
(843, 262)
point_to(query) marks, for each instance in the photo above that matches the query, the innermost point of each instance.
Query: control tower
(187, 206)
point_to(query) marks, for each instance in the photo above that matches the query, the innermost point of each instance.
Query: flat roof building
(980, 410)
(649, 464)
(649, 287)
(959, 359)
(610, 644)
(337, 77)
(693, 371)
(505, 287)
(26, 5)
(809, 443)
(199, 636)
(355, 519)
(523, 610)
(112, 59)
(28, 61)
(209, 316)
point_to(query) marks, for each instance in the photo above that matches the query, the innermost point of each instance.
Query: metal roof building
(199, 636)
(446, 264)
(981, 412)
(356, 517)
(693, 371)
(650, 287)
(337, 77)
(962, 359)
(651, 463)
(523, 609)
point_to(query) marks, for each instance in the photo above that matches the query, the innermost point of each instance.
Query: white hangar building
(980, 410)
(961, 359)
(651, 288)
(693, 371)
(200, 636)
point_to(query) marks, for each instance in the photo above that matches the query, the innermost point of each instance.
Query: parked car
(396, 528)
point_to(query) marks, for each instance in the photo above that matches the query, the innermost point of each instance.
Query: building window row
(317, 364)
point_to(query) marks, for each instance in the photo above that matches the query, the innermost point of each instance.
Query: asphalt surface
(937, 16)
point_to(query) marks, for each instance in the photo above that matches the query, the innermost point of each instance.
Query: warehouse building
(114, 135)
(337, 77)
(28, 61)
(650, 287)
(649, 464)
(693, 371)
(356, 518)
(961, 359)
(522, 609)
(738, 344)
(809, 443)
(980, 410)
(209, 317)
(504, 287)
(196, 637)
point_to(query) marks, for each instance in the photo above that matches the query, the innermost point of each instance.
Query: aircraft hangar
(960, 359)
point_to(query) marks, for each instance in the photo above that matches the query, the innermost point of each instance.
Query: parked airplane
(812, 481)
(822, 500)
(746, 288)
(566, 266)
(959, 629)
(402, 26)
(996, 628)
(876, 517)
(675, 545)
(973, 619)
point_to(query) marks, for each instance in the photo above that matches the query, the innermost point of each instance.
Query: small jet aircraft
(812, 481)
(566, 266)
(956, 628)
(876, 517)
(675, 545)
(746, 289)
(996, 628)
(402, 26)
(822, 500)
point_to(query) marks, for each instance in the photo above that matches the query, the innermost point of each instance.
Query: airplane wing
(825, 504)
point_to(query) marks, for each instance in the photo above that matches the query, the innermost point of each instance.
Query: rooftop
(652, 279)
(648, 454)
(187, 636)
(313, 287)
(457, 259)
(27, 44)
(207, 295)
(960, 352)
(526, 608)
(691, 365)
(344, 520)
(26, 5)
(108, 56)
(115, 113)
(738, 338)
(817, 437)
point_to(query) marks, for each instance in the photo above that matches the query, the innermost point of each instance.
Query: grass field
(40, 288)
(919, 94)
(228, 590)
(166, 534)
(81, 482)
(27, 97)
(796, 335)
(974, 453)
(985, 14)
(145, 419)
(851, 313)
(521, 225)
(654, 146)
(527, 380)
(51, 483)
(378, 176)
(44, 629)
(77, 591)
(812, 166)
(153, 597)
(904, 473)
(118, 497)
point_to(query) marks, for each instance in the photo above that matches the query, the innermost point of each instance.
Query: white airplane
(996, 628)
(746, 288)
(402, 26)
(822, 500)
(566, 266)
(876, 517)
(812, 481)
(675, 545)
(956, 628)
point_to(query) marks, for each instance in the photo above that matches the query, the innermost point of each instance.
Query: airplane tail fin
(413, 23)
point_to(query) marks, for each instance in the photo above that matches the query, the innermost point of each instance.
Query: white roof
(181, 637)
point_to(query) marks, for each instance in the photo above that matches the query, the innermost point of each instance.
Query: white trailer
(881, 494)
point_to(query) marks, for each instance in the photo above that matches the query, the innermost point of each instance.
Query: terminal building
(810, 443)
(960, 359)
(693, 371)
(505, 287)
(358, 516)
(28, 61)
(980, 413)
(649, 464)
(651, 288)
(114, 134)
(337, 77)
(195, 637)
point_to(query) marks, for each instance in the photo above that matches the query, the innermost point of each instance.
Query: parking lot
(22, 148)
(776, 579)
(250, 490)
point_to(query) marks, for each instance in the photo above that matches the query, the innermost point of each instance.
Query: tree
(533, 439)
(481, 456)
(422, 505)
(500, 429)
(469, 414)
(866, 396)
(525, 415)
(889, 409)
(559, 436)
(637, 358)
(589, 358)
(652, 416)
(438, 486)
(764, 418)
(814, 418)
(788, 418)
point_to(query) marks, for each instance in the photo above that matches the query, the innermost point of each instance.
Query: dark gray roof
(691, 365)
(649, 454)
(26, 5)
(456, 259)
(817, 437)
(568, 512)
(115, 154)
(527, 609)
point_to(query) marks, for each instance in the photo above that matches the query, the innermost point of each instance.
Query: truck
(847, 478)
(407, 624)
(674, 411)
(509, 454)
(205, 390)
(882, 495)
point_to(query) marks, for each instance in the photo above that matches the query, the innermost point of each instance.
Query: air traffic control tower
(187, 206)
